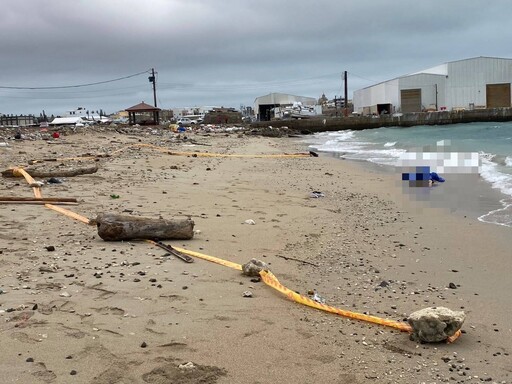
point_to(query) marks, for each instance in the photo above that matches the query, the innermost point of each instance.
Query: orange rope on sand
(267, 276)
(269, 279)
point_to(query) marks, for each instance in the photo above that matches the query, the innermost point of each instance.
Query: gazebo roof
(142, 107)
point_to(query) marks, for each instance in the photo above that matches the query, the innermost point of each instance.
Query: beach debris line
(435, 324)
(114, 227)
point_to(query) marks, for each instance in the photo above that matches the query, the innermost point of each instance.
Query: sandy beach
(77, 309)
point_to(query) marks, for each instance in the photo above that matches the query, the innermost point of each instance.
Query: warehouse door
(411, 100)
(498, 95)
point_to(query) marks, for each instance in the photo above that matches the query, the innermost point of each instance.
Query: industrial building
(264, 104)
(475, 83)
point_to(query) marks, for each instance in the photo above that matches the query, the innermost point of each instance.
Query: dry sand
(125, 313)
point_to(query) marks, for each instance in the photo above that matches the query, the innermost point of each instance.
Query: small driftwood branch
(54, 172)
(112, 227)
(298, 260)
(36, 202)
(45, 199)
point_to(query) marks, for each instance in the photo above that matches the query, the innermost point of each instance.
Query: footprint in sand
(110, 311)
(43, 374)
(171, 373)
(22, 337)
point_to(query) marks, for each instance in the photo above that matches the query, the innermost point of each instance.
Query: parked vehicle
(184, 122)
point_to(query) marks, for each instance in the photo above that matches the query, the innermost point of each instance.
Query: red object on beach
(56, 135)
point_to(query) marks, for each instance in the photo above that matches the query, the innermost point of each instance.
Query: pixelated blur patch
(442, 162)
(419, 177)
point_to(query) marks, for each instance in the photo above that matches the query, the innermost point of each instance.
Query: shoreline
(364, 248)
(466, 195)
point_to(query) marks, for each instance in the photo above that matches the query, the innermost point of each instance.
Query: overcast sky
(227, 53)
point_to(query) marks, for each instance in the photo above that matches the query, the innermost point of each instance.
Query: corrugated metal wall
(467, 80)
(383, 93)
(428, 84)
(464, 87)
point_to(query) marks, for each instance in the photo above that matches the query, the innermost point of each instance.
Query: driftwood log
(38, 171)
(45, 199)
(38, 202)
(113, 227)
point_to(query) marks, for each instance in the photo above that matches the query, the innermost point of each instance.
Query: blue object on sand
(434, 176)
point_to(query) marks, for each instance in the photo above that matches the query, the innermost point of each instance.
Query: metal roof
(142, 107)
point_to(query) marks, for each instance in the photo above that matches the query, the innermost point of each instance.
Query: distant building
(264, 104)
(475, 83)
(223, 116)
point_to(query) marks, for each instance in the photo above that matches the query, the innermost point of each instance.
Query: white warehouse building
(263, 104)
(476, 83)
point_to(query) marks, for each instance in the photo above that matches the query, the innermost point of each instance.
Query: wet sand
(122, 312)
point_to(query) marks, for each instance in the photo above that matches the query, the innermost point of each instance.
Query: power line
(361, 77)
(78, 85)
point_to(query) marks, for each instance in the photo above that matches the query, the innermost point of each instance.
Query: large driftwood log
(54, 171)
(112, 227)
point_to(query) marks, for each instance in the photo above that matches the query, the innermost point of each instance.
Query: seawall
(325, 123)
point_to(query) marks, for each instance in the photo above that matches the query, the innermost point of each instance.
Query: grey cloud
(228, 53)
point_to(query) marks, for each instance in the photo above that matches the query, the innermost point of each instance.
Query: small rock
(254, 267)
(189, 365)
(65, 294)
(143, 345)
(30, 360)
(49, 268)
(452, 286)
(73, 372)
(435, 324)
(50, 248)
(247, 294)
(250, 222)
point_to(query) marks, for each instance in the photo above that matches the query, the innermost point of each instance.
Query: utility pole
(345, 75)
(436, 98)
(152, 79)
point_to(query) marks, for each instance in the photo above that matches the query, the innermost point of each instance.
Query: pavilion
(143, 114)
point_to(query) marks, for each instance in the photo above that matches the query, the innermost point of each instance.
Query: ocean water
(481, 152)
